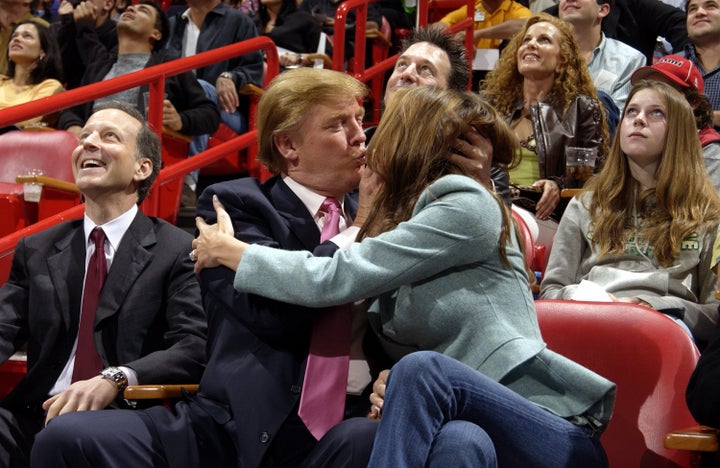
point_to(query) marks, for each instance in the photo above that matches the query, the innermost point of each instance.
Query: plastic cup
(579, 165)
(32, 191)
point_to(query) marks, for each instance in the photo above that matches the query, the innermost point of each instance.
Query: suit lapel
(130, 260)
(66, 268)
(351, 204)
(299, 220)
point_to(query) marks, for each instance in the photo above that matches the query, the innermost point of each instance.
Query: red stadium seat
(647, 355)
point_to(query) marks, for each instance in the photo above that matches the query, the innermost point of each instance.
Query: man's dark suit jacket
(150, 316)
(256, 347)
(703, 391)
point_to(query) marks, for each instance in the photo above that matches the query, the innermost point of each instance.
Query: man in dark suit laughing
(141, 322)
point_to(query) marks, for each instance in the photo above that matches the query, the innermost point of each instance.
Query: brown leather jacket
(580, 126)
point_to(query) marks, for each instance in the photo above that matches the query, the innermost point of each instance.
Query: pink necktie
(87, 361)
(322, 402)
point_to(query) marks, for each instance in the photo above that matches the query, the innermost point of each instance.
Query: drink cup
(146, 102)
(579, 165)
(32, 191)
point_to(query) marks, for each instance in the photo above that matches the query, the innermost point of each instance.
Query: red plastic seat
(11, 372)
(534, 253)
(47, 151)
(647, 355)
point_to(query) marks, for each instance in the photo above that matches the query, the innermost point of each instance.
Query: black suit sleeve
(703, 391)
(13, 306)
(247, 68)
(272, 321)
(661, 19)
(199, 114)
(174, 344)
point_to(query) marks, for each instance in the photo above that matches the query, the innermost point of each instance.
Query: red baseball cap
(679, 70)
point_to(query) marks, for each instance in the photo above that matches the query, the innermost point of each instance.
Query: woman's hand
(549, 199)
(631, 300)
(475, 155)
(369, 186)
(216, 244)
(377, 397)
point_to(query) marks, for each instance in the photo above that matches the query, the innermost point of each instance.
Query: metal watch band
(116, 375)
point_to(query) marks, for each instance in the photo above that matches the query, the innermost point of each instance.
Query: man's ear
(285, 143)
(156, 36)
(604, 10)
(144, 169)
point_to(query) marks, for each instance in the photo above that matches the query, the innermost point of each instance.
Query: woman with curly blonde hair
(643, 228)
(542, 86)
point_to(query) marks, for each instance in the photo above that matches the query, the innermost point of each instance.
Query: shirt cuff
(130, 374)
(346, 238)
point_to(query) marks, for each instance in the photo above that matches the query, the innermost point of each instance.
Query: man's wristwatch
(116, 375)
(227, 75)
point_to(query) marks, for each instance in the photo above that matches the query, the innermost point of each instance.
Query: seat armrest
(158, 392)
(327, 61)
(696, 439)
(250, 89)
(569, 192)
(377, 34)
(47, 181)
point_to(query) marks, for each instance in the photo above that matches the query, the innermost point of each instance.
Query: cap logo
(671, 61)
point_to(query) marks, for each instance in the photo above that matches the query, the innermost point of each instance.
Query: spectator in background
(207, 25)
(13, 12)
(542, 86)
(142, 32)
(703, 27)
(609, 61)
(487, 13)
(643, 228)
(83, 28)
(34, 70)
(291, 29)
(210, 24)
(637, 23)
(324, 11)
(682, 75)
(429, 57)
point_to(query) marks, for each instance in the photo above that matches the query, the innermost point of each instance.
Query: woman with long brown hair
(440, 259)
(644, 227)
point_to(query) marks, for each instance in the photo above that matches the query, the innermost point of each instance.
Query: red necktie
(87, 361)
(322, 402)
